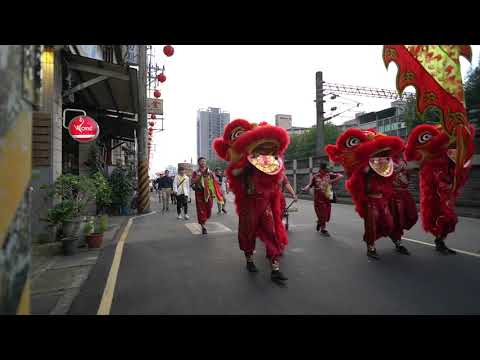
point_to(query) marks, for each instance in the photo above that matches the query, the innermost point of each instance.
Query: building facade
(210, 125)
(99, 80)
(390, 121)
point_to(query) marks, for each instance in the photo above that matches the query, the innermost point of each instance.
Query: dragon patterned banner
(434, 71)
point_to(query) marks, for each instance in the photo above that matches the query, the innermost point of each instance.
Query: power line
(335, 89)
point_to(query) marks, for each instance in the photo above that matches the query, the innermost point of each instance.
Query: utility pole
(143, 205)
(320, 141)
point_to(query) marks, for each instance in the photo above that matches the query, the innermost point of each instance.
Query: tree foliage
(217, 163)
(472, 89)
(303, 145)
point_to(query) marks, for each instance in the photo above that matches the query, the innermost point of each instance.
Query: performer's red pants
(323, 208)
(204, 209)
(256, 218)
(404, 213)
(378, 220)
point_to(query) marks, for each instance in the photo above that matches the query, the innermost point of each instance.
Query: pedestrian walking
(181, 190)
(165, 187)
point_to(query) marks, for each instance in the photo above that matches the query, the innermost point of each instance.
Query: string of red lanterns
(168, 50)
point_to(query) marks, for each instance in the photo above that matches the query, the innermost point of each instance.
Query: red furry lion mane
(233, 147)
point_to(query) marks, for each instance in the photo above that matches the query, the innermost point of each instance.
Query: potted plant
(70, 194)
(121, 183)
(60, 213)
(94, 231)
(103, 192)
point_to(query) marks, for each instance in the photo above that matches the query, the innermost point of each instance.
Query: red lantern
(151, 123)
(161, 77)
(150, 130)
(153, 116)
(157, 94)
(168, 50)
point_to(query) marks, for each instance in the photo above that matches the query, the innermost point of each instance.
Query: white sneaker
(187, 217)
(179, 217)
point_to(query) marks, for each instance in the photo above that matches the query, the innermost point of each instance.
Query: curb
(64, 303)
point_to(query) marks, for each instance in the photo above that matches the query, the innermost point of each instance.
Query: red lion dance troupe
(375, 165)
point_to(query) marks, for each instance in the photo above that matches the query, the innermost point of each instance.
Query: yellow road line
(458, 251)
(107, 297)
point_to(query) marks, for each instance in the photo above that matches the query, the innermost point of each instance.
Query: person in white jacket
(181, 189)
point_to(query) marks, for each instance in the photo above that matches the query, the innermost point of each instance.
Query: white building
(284, 121)
(210, 125)
(390, 121)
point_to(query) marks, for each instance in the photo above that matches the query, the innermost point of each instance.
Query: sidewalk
(57, 279)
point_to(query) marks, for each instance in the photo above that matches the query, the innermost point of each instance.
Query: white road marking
(212, 228)
(404, 238)
(433, 245)
(195, 229)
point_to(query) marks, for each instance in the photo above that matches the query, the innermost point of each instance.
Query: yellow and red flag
(434, 71)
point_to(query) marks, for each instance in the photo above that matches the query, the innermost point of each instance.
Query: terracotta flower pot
(94, 241)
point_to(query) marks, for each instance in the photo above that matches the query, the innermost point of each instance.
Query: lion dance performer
(402, 203)
(206, 188)
(255, 173)
(444, 150)
(323, 195)
(366, 156)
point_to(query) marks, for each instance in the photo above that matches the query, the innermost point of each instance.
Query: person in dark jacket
(165, 186)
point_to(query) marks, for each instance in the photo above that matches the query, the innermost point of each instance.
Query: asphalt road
(167, 269)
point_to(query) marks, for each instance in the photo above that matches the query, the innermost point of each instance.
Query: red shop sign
(83, 129)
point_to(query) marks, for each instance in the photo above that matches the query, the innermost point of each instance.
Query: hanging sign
(83, 129)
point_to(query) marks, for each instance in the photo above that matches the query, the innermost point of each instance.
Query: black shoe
(219, 212)
(251, 267)
(402, 250)
(318, 227)
(373, 254)
(225, 211)
(443, 249)
(204, 230)
(325, 232)
(278, 276)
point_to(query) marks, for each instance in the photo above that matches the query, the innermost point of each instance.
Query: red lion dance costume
(366, 156)
(255, 174)
(444, 151)
(402, 204)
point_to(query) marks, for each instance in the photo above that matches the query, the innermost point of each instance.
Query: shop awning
(103, 86)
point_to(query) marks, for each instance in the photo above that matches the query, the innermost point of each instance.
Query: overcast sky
(256, 82)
